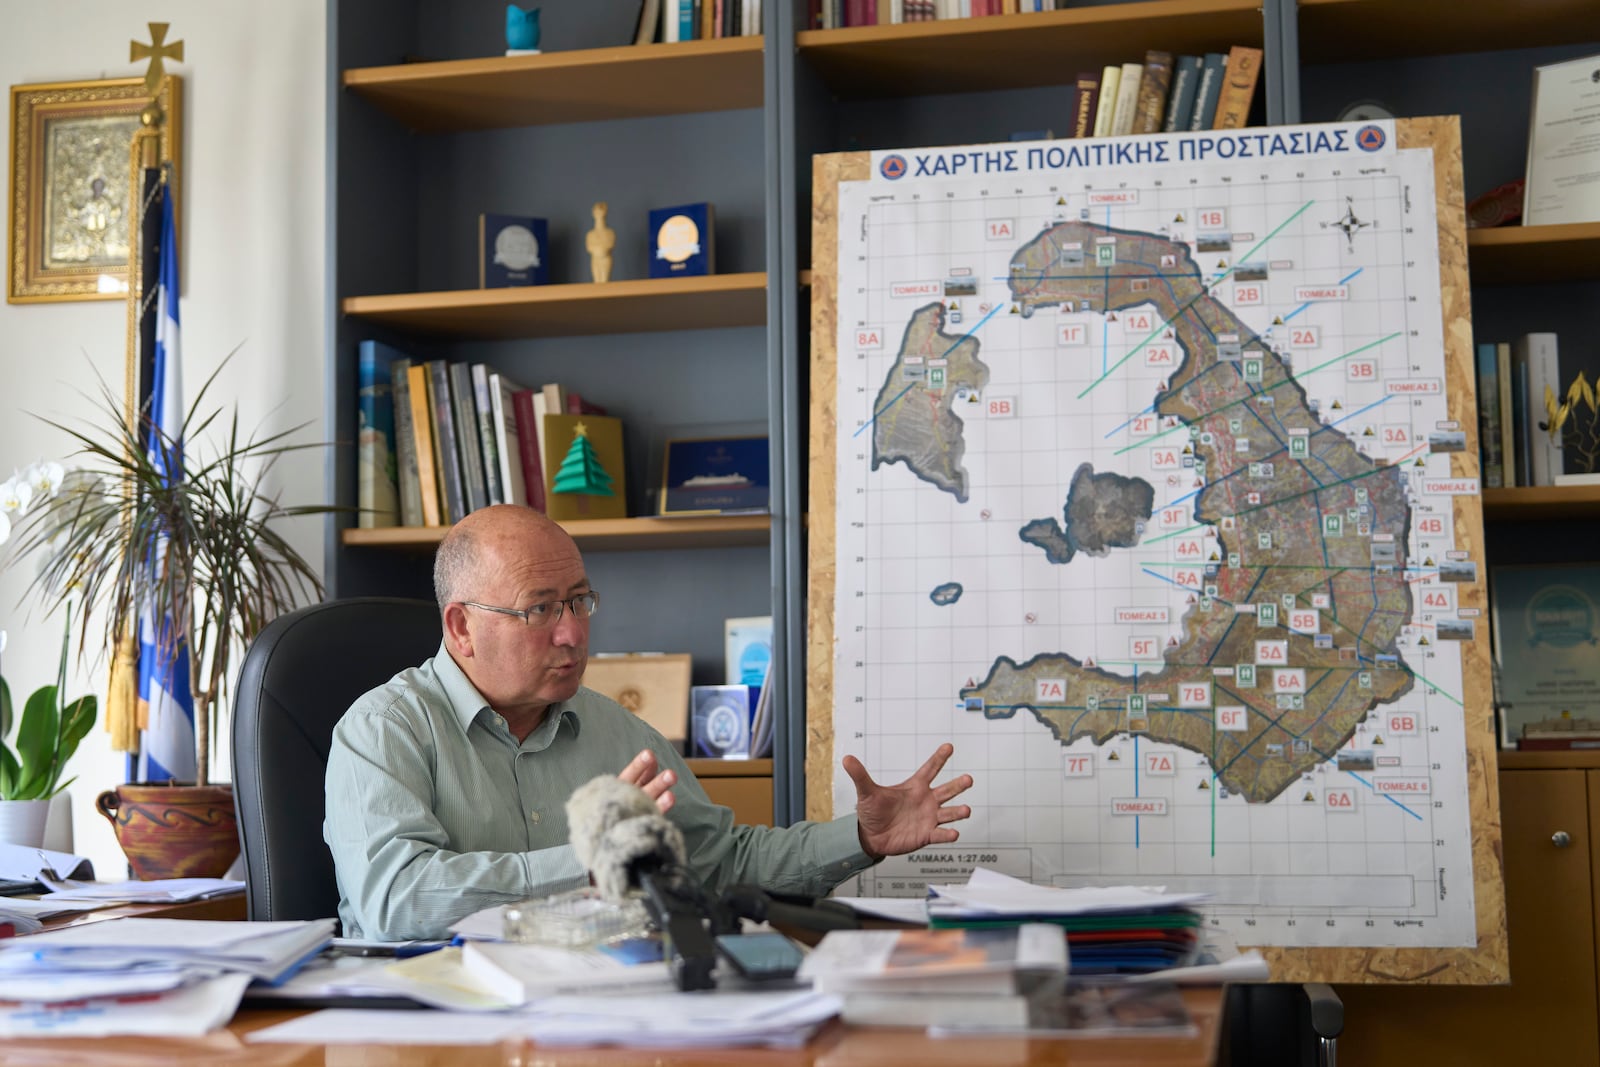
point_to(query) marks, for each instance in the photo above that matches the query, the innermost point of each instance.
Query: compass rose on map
(1349, 224)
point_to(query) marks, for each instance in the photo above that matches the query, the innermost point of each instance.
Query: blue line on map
(1386, 796)
(1151, 410)
(1136, 782)
(976, 326)
(885, 407)
(1352, 274)
(1358, 411)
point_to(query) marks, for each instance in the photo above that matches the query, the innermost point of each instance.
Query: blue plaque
(512, 250)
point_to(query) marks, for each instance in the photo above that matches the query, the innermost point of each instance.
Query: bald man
(447, 785)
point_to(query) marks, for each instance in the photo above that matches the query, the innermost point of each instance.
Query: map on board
(1145, 501)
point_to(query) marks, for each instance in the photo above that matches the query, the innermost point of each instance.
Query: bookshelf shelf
(602, 535)
(1020, 51)
(1344, 30)
(648, 304)
(633, 81)
(1516, 255)
(1538, 502)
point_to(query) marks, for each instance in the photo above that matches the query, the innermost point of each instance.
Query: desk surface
(836, 1046)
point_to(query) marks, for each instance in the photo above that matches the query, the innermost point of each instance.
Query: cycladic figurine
(600, 241)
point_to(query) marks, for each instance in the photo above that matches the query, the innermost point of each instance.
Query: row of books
(834, 14)
(1166, 94)
(438, 440)
(1516, 381)
(703, 20)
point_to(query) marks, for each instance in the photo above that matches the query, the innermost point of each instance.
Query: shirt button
(533, 817)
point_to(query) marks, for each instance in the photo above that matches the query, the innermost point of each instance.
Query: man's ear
(457, 635)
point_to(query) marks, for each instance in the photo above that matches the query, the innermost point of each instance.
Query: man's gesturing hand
(895, 819)
(642, 772)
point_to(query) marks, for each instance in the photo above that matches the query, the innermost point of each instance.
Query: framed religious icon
(70, 182)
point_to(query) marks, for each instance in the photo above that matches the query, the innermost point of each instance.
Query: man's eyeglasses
(539, 616)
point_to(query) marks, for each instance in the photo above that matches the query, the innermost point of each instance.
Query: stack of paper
(681, 1020)
(519, 973)
(187, 974)
(157, 890)
(1110, 929)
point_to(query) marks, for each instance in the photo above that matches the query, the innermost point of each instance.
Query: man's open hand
(896, 819)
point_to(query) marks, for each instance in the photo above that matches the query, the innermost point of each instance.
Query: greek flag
(166, 708)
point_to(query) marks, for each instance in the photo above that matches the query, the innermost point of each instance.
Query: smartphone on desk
(762, 956)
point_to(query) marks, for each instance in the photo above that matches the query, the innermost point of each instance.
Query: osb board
(654, 686)
(1488, 962)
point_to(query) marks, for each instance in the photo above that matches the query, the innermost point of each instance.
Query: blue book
(512, 250)
(1180, 103)
(377, 472)
(1493, 463)
(1207, 91)
(681, 241)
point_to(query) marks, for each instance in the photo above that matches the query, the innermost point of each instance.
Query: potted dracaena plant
(181, 530)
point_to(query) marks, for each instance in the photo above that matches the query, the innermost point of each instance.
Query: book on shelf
(1491, 461)
(649, 22)
(423, 446)
(1154, 85)
(446, 453)
(1537, 352)
(1237, 88)
(528, 441)
(1127, 99)
(377, 483)
(1180, 97)
(1106, 106)
(1207, 90)
(488, 441)
(584, 473)
(405, 444)
(507, 438)
(1503, 395)
(469, 450)
(1522, 444)
(995, 960)
(1563, 175)
(1085, 98)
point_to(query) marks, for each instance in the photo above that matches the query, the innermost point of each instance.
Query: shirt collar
(466, 703)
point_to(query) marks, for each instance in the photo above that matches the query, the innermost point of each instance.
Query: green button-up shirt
(435, 811)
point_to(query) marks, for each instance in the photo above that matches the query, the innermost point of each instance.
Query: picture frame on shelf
(654, 686)
(1546, 622)
(70, 186)
(716, 476)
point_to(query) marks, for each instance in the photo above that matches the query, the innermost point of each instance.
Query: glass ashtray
(577, 918)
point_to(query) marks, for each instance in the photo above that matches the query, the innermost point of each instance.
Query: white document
(265, 950)
(900, 909)
(486, 925)
(1564, 144)
(159, 890)
(347, 1026)
(678, 1020)
(520, 973)
(989, 892)
(22, 861)
(186, 1012)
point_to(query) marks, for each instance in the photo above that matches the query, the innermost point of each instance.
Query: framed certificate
(1564, 144)
(715, 475)
(1546, 644)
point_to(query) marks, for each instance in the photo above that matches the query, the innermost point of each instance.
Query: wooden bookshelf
(1518, 255)
(1343, 30)
(633, 81)
(1537, 502)
(601, 535)
(1020, 51)
(646, 304)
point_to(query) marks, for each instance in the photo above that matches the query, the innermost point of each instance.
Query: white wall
(252, 261)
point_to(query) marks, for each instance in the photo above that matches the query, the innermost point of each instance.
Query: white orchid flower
(45, 478)
(16, 495)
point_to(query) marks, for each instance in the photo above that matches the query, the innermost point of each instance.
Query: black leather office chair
(298, 677)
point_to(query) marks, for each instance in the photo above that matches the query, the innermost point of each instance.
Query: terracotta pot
(174, 831)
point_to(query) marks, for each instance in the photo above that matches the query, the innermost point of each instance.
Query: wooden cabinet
(1548, 1014)
(743, 785)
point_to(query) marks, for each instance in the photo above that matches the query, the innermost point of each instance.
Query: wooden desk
(836, 1046)
(230, 907)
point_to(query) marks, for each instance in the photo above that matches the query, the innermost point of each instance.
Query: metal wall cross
(158, 51)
